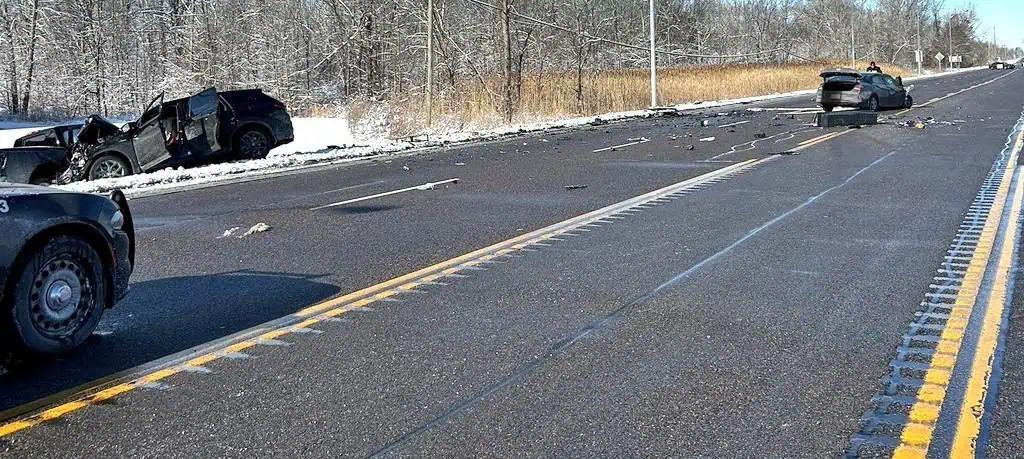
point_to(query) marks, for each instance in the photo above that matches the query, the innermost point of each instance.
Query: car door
(149, 141)
(201, 124)
(893, 99)
(899, 92)
(882, 90)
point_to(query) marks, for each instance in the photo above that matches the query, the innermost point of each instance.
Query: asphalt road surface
(729, 282)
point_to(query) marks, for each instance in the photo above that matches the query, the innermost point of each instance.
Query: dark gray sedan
(863, 90)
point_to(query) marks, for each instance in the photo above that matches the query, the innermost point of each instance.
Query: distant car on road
(203, 128)
(65, 257)
(864, 90)
(999, 65)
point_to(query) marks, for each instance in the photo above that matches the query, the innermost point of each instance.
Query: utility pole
(430, 63)
(992, 52)
(920, 53)
(950, 42)
(506, 44)
(853, 45)
(654, 63)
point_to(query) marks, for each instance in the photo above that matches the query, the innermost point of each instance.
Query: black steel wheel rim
(61, 297)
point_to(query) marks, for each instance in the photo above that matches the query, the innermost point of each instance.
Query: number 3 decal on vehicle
(3, 207)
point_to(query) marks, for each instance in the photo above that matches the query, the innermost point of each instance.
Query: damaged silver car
(862, 90)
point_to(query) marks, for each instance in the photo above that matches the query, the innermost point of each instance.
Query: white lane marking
(632, 142)
(780, 109)
(423, 187)
(947, 96)
(747, 146)
(734, 124)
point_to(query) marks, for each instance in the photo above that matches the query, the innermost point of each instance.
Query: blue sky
(1006, 15)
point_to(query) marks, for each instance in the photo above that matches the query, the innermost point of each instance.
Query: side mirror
(899, 81)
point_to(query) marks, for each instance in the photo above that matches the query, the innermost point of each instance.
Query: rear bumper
(840, 99)
(281, 125)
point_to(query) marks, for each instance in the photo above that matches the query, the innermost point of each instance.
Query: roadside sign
(956, 59)
(939, 57)
(918, 56)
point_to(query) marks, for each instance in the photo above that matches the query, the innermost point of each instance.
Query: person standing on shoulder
(874, 67)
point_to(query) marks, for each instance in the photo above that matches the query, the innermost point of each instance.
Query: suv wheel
(58, 297)
(253, 144)
(108, 166)
(873, 104)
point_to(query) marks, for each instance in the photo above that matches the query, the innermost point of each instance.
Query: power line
(619, 43)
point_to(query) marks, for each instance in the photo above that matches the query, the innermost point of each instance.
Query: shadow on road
(160, 317)
(362, 209)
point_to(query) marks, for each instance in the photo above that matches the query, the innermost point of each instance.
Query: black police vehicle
(64, 258)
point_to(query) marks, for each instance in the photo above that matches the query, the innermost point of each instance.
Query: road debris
(257, 228)
(845, 118)
(708, 139)
(424, 187)
(924, 122)
(690, 147)
(575, 187)
(229, 232)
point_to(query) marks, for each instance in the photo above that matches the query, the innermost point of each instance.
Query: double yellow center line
(924, 414)
(305, 318)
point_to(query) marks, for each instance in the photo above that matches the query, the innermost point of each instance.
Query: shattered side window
(203, 104)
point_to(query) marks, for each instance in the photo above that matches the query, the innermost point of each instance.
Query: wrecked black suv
(203, 128)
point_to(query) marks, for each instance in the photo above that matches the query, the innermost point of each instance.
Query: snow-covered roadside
(9, 134)
(328, 141)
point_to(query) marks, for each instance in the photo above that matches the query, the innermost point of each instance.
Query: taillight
(857, 87)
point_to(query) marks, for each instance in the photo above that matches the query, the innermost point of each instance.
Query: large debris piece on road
(846, 118)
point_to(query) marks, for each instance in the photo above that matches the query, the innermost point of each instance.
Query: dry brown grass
(552, 96)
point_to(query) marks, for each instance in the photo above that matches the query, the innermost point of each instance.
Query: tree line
(75, 57)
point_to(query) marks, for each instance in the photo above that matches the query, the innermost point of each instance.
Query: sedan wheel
(873, 104)
(58, 293)
(58, 298)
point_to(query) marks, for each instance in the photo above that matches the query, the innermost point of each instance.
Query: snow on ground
(9, 134)
(325, 141)
(314, 134)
